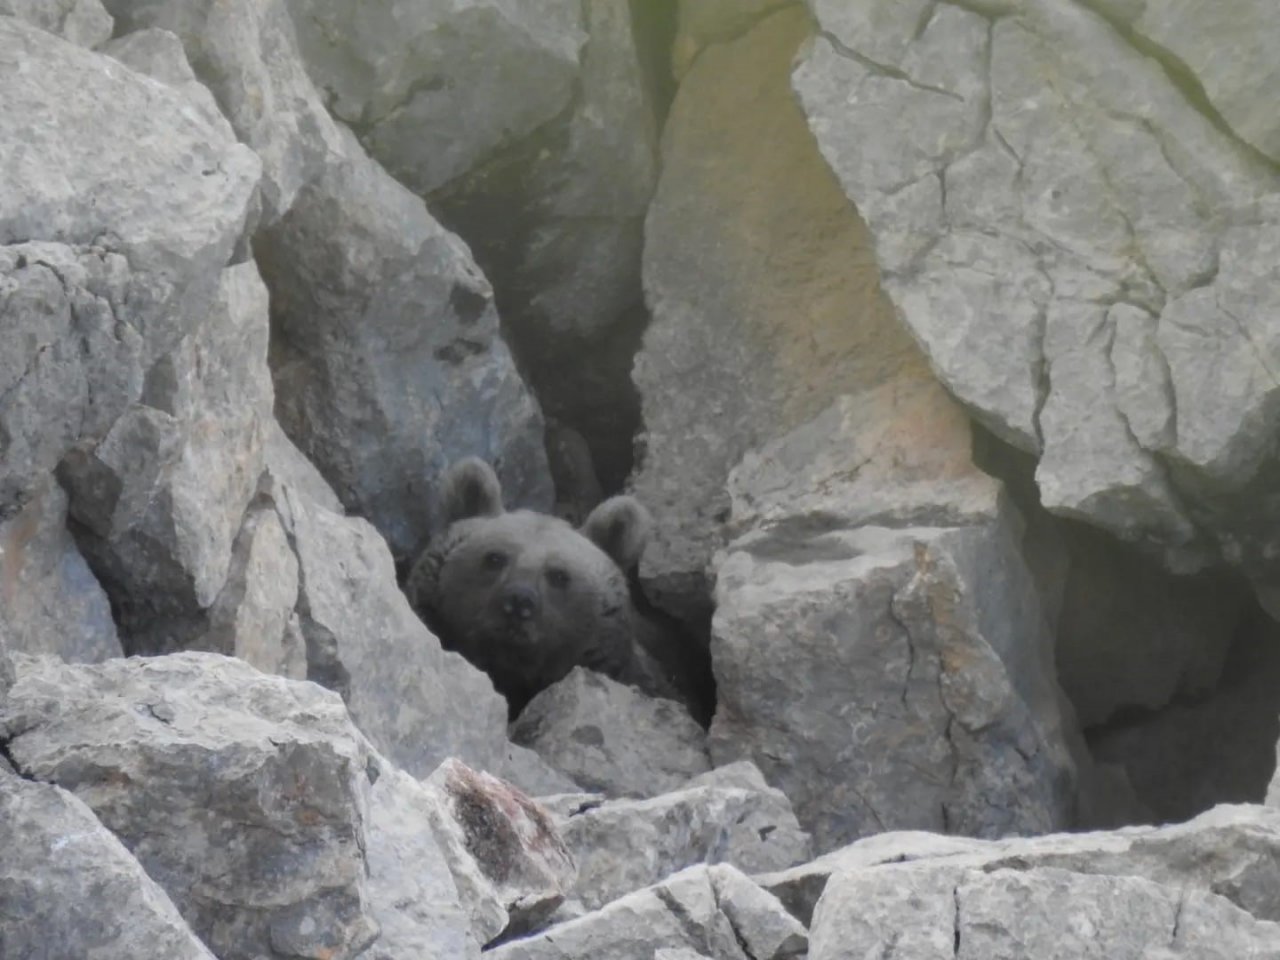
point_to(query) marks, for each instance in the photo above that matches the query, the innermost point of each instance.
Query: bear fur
(526, 597)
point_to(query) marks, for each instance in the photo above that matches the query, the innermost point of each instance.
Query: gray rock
(892, 680)
(418, 78)
(700, 23)
(684, 912)
(160, 55)
(140, 210)
(287, 466)
(387, 356)
(417, 703)
(735, 238)
(245, 796)
(253, 617)
(85, 23)
(411, 887)
(1187, 39)
(611, 737)
(1230, 851)
(161, 498)
(49, 599)
(1077, 246)
(623, 845)
(68, 888)
(245, 52)
(512, 840)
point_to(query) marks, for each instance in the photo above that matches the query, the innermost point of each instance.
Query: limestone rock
(50, 601)
(892, 679)
(512, 840)
(611, 737)
(623, 845)
(411, 887)
(160, 500)
(1080, 250)
(160, 55)
(418, 78)
(68, 888)
(747, 224)
(387, 356)
(245, 796)
(683, 912)
(85, 23)
(116, 217)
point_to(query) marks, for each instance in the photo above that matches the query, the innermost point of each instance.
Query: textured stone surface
(82, 22)
(1078, 248)
(68, 888)
(116, 216)
(611, 737)
(892, 680)
(160, 55)
(747, 224)
(700, 23)
(50, 601)
(159, 501)
(623, 845)
(243, 795)
(418, 78)
(682, 912)
(512, 840)
(387, 358)
(245, 52)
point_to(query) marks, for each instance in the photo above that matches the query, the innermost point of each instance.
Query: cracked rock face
(1081, 252)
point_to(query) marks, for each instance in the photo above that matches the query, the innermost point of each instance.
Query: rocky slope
(940, 337)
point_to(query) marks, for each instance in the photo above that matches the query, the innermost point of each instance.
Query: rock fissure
(884, 69)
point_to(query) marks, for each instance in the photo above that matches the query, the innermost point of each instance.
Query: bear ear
(471, 489)
(620, 527)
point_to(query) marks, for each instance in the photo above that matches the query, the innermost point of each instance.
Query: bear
(526, 597)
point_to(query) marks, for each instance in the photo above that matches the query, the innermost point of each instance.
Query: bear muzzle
(520, 602)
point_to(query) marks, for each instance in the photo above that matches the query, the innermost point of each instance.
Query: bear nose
(520, 601)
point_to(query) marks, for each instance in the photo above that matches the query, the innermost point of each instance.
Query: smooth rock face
(512, 840)
(116, 217)
(1079, 250)
(683, 912)
(160, 500)
(50, 601)
(623, 845)
(387, 358)
(418, 78)
(746, 225)
(85, 23)
(69, 888)
(244, 796)
(892, 680)
(611, 737)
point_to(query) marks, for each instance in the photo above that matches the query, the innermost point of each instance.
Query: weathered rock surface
(160, 500)
(747, 223)
(160, 55)
(1230, 851)
(700, 23)
(418, 79)
(50, 601)
(85, 23)
(623, 845)
(116, 217)
(69, 888)
(703, 909)
(387, 358)
(243, 795)
(526, 866)
(1075, 245)
(892, 679)
(611, 737)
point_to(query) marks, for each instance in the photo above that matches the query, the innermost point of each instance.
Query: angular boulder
(85, 23)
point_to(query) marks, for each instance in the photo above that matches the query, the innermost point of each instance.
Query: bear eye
(494, 560)
(558, 578)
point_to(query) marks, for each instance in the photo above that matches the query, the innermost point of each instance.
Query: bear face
(525, 596)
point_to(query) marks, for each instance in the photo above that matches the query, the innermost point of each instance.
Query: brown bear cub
(526, 597)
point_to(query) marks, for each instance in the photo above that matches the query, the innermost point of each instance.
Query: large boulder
(1080, 249)
(117, 214)
(69, 888)
(82, 22)
(245, 796)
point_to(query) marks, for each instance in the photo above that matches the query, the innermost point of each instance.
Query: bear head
(525, 596)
